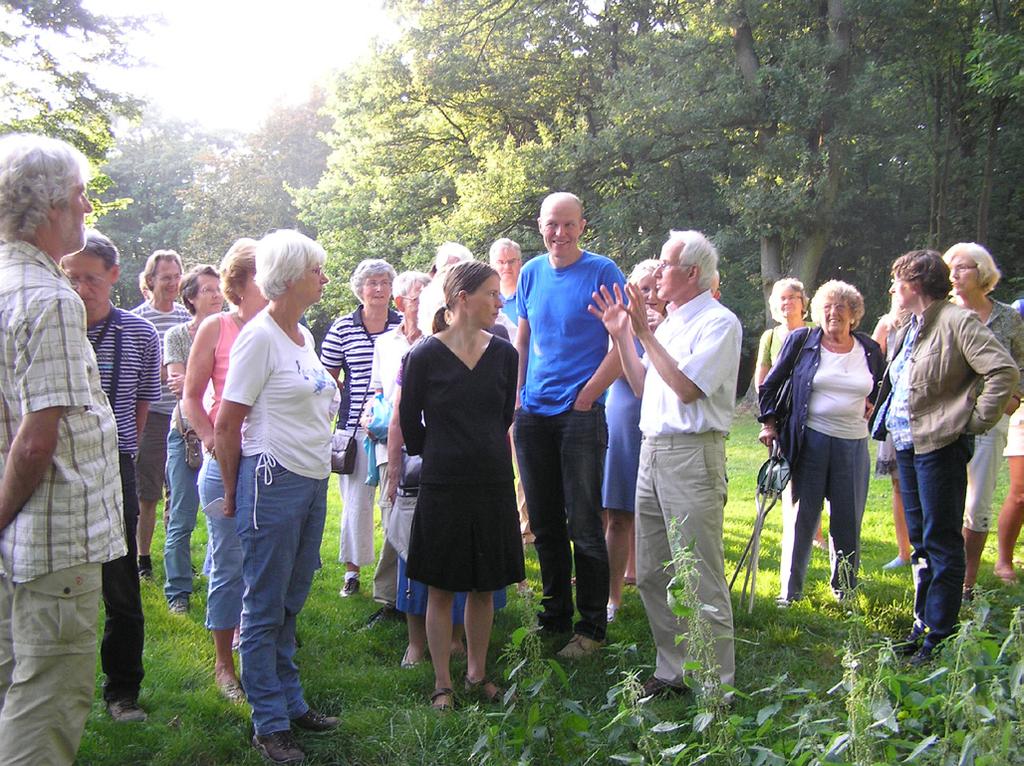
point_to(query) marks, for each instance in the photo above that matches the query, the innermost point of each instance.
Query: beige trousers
(385, 577)
(47, 664)
(682, 478)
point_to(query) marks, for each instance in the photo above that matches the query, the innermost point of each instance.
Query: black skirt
(466, 537)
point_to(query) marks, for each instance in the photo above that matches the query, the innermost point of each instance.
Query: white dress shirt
(704, 338)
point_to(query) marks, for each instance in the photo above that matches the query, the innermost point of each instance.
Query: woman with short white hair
(974, 275)
(273, 444)
(347, 353)
(835, 372)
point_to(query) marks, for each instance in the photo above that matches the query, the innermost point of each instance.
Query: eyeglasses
(961, 267)
(209, 291)
(89, 280)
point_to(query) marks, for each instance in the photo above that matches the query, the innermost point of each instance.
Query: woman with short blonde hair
(787, 304)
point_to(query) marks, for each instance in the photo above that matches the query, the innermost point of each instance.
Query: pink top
(229, 330)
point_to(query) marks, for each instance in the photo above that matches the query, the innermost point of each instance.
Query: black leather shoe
(655, 687)
(386, 612)
(278, 747)
(314, 720)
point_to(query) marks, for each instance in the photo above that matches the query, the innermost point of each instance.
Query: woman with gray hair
(347, 353)
(275, 474)
(834, 372)
(974, 275)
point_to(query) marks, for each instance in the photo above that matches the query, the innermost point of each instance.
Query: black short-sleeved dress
(465, 531)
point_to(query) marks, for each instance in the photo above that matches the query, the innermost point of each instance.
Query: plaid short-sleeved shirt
(74, 516)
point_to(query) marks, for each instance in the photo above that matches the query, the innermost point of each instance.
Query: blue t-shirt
(511, 308)
(567, 343)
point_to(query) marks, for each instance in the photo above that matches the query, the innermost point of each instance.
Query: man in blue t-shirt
(565, 368)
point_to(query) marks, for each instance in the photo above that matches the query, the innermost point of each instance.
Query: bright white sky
(225, 63)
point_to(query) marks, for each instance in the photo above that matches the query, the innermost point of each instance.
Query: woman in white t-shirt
(273, 436)
(835, 373)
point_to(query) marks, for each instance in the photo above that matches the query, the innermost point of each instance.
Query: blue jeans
(934, 487)
(224, 559)
(280, 518)
(561, 464)
(181, 518)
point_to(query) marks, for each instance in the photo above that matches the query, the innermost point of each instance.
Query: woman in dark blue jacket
(835, 373)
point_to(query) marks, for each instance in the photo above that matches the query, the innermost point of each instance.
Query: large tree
(53, 55)
(809, 138)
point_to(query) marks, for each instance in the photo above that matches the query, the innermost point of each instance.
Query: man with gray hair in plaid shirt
(60, 491)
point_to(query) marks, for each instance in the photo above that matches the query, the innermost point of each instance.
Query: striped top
(74, 515)
(348, 347)
(138, 374)
(163, 321)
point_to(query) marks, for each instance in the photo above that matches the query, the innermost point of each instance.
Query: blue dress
(622, 461)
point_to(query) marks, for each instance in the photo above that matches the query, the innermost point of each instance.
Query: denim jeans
(124, 627)
(280, 518)
(181, 518)
(224, 555)
(561, 464)
(933, 487)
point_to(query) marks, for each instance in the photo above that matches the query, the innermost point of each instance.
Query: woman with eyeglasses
(974, 274)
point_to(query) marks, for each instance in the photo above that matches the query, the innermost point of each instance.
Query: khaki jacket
(953, 353)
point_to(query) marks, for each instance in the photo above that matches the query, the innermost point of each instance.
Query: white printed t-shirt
(294, 399)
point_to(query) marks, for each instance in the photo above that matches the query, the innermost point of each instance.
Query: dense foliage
(816, 139)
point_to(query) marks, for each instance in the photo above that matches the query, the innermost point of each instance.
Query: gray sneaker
(178, 605)
(126, 710)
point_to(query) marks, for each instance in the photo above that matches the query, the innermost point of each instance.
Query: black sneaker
(922, 656)
(314, 720)
(350, 588)
(278, 747)
(908, 645)
(146, 567)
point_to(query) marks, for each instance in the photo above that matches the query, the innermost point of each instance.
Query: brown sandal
(485, 689)
(439, 702)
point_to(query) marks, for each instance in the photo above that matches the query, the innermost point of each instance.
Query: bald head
(561, 224)
(564, 201)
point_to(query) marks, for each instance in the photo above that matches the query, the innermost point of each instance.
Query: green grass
(354, 672)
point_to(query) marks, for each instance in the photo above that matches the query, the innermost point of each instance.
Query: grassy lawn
(806, 674)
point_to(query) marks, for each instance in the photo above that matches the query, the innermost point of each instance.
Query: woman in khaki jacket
(932, 407)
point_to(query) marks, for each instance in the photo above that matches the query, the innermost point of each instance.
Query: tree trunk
(771, 267)
(991, 151)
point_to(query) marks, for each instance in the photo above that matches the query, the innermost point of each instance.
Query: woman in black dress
(458, 397)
